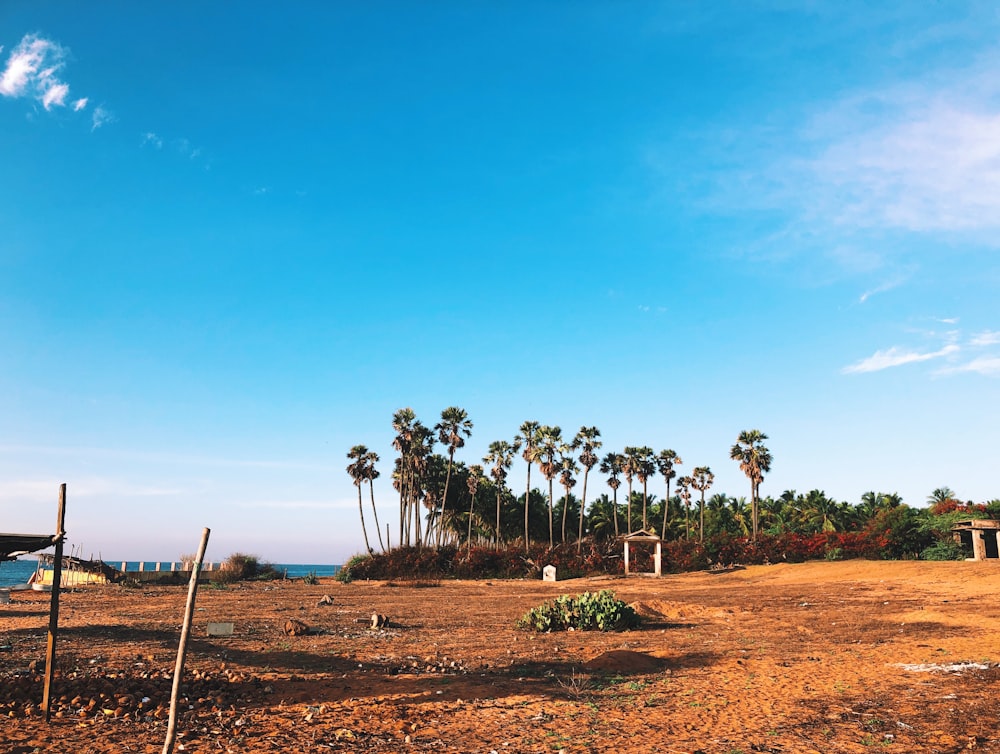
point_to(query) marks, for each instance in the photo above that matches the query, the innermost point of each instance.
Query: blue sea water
(19, 571)
(16, 571)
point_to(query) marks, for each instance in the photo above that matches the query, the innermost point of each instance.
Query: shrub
(310, 578)
(353, 569)
(242, 567)
(600, 611)
(945, 549)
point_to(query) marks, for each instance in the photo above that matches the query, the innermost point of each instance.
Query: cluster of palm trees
(434, 510)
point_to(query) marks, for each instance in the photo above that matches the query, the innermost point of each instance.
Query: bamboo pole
(168, 745)
(50, 649)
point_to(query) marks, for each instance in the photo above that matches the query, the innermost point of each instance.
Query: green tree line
(443, 500)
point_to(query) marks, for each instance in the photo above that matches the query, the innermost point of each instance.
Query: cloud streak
(101, 117)
(986, 361)
(33, 70)
(895, 357)
(988, 366)
(929, 164)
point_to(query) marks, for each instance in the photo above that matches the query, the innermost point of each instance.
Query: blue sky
(234, 240)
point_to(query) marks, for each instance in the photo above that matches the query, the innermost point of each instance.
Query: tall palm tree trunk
(666, 511)
(498, 517)
(444, 500)
(378, 528)
(701, 513)
(565, 511)
(551, 505)
(583, 503)
(628, 509)
(527, 499)
(361, 511)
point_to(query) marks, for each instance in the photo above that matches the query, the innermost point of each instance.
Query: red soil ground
(820, 657)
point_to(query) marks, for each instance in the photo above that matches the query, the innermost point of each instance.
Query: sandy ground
(819, 657)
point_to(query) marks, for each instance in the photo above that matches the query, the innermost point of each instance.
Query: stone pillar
(978, 545)
(626, 557)
(657, 558)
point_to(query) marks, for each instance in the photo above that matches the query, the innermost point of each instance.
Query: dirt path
(819, 657)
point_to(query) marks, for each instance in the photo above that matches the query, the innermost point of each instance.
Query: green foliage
(945, 549)
(310, 578)
(346, 574)
(600, 611)
(242, 567)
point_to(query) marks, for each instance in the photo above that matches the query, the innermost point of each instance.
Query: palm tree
(501, 456)
(549, 440)
(941, 495)
(528, 439)
(475, 474)
(588, 440)
(358, 472)
(874, 502)
(567, 468)
(611, 465)
(420, 452)
(645, 467)
(629, 468)
(740, 515)
(371, 474)
(701, 479)
(819, 512)
(402, 423)
(454, 423)
(684, 490)
(600, 517)
(755, 461)
(665, 463)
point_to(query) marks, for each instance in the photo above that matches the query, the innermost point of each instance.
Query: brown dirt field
(785, 658)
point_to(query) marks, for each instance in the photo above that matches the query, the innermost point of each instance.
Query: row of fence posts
(184, 566)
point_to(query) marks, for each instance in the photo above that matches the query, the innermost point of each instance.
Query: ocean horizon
(19, 571)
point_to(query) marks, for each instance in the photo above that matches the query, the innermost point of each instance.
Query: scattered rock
(326, 599)
(294, 627)
(380, 621)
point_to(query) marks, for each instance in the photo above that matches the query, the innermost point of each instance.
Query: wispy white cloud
(151, 139)
(952, 346)
(80, 104)
(55, 95)
(985, 338)
(895, 356)
(101, 117)
(887, 286)
(931, 162)
(988, 366)
(33, 70)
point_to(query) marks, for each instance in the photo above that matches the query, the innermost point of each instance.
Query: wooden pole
(50, 649)
(168, 745)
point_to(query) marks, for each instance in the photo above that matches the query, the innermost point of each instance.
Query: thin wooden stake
(168, 745)
(50, 649)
